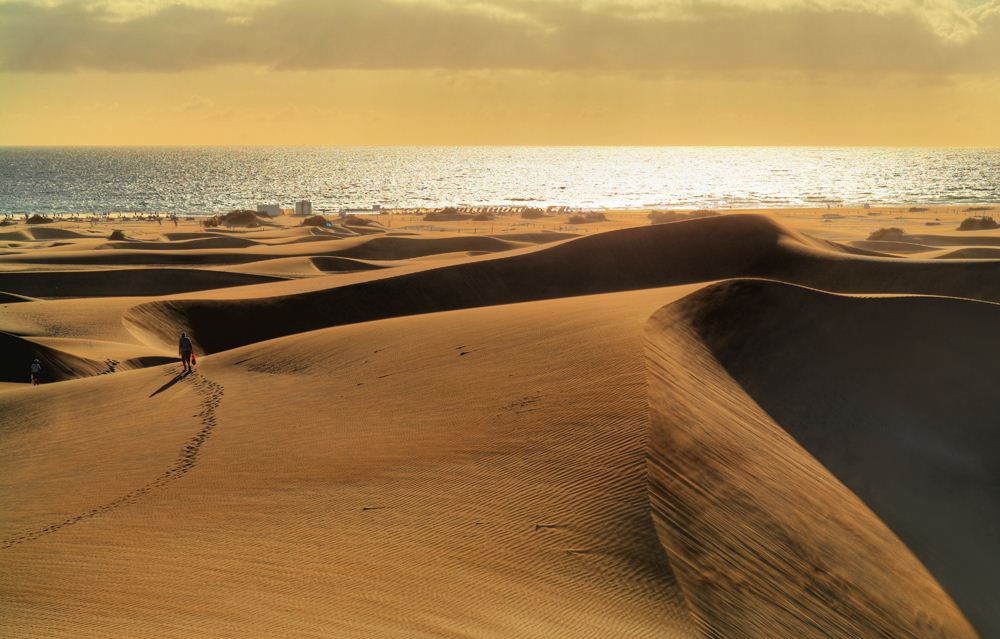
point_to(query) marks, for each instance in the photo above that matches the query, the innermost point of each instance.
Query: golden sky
(356, 72)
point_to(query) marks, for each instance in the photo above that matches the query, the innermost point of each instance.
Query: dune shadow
(765, 395)
(169, 384)
(858, 384)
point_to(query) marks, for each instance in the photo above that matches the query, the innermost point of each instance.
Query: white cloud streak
(928, 37)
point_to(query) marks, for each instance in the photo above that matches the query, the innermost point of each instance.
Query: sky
(518, 72)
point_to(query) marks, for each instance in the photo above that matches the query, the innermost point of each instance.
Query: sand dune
(904, 419)
(663, 255)
(510, 504)
(972, 253)
(443, 434)
(12, 298)
(287, 267)
(128, 257)
(302, 239)
(31, 233)
(884, 246)
(59, 365)
(305, 266)
(255, 236)
(15, 236)
(232, 250)
(188, 235)
(116, 356)
(331, 264)
(959, 239)
(764, 540)
(401, 248)
(78, 318)
(121, 282)
(542, 237)
(851, 249)
(640, 258)
(216, 242)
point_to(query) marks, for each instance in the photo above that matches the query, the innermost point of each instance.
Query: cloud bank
(929, 37)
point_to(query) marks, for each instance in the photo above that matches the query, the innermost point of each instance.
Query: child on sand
(185, 349)
(36, 372)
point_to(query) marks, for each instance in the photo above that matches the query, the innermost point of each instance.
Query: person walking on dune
(36, 372)
(185, 350)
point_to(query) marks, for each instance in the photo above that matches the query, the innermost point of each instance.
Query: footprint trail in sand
(211, 396)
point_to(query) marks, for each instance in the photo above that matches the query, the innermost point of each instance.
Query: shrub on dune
(532, 214)
(984, 223)
(117, 235)
(39, 219)
(315, 220)
(588, 218)
(447, 214)
(246, 214)
(242, 218)
(357, 220)
(891, 234)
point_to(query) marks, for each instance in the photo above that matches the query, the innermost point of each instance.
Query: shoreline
(836, 224)
(517, 209)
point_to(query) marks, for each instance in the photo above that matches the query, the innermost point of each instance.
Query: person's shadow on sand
(166, 386)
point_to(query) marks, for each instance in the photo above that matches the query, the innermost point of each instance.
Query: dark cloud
(809, 36)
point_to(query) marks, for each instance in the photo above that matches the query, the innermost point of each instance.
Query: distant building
(272, 210)
(303, 208)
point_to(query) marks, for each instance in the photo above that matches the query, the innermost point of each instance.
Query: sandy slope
(411, 433)
(505, 486)
(763, 538)
(895, 248)
(234, 250)
(18, 353)
(970, 253)
(904, 420)
(304, 266)
(121, 282)
(13, 298)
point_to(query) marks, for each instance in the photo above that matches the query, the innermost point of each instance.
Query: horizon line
(500, 146)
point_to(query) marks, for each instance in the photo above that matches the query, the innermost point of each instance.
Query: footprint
(187, 460)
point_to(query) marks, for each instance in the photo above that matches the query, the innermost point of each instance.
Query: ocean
(203, 180)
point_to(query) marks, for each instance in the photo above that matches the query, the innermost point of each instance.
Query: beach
(740, 423)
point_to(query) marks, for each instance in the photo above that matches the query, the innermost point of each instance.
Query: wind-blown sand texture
(751, 425)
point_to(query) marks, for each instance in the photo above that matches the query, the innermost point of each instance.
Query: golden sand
(724, 427)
